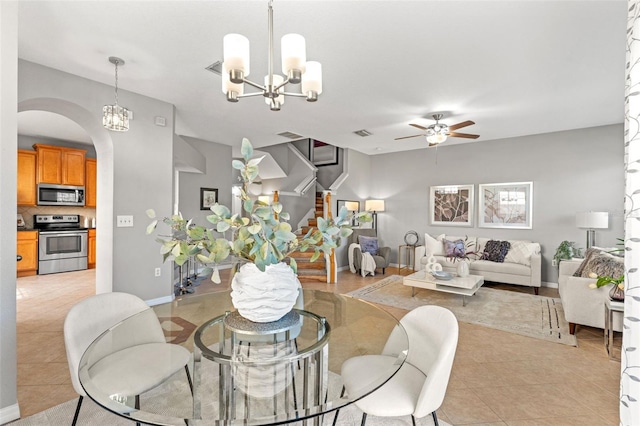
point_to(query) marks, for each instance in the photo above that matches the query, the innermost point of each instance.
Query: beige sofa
(524, 270)
(582, 305)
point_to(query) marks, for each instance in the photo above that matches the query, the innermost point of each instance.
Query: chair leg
(137, 405)
(536, 290)
(75, 416)
(383, 271)
(413, 420)
(364, 419)
(186, 369)
(335, 419)
(435, 418)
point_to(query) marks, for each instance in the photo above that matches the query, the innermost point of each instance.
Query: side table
(610, 307)
(409, 254)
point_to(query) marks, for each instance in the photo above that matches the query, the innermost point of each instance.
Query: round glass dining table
(251, 373)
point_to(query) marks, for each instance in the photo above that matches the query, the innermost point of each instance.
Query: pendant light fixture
(294, 66)
(115, 117)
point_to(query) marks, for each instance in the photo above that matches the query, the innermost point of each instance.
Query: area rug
(525, 314)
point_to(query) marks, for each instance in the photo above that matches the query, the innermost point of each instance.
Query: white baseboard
(9, 414)
(160, 300)
(548, 284)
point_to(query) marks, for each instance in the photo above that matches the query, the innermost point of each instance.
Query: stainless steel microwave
(60, 195)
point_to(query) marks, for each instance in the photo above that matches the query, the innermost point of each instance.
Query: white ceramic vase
(264, 296)
(462, 268)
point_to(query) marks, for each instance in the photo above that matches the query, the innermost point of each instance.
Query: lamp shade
(592, 220)
(352, 206)
(312, 78)
(374, 205)
(294, 53)
(236, 52)
(227, 85)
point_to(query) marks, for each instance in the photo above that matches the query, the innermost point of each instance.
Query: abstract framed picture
(506, 205)
(451, 205)
(208, 197)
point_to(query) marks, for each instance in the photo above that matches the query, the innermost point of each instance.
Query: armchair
(382, 259)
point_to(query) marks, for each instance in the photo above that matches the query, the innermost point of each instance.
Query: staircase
(311, 272)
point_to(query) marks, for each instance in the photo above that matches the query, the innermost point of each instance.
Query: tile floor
(498, 378)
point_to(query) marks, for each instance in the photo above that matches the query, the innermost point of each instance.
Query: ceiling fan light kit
(296, 68)
(439, 132)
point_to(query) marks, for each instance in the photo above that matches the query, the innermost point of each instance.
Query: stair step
(303, 254)
(312, 222)
(310, 266)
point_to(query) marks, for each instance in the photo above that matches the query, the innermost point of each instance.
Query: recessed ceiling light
(290, 135)
(215, 67)
(364, 133)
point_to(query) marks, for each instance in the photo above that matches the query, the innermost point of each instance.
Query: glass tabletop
(275, 375)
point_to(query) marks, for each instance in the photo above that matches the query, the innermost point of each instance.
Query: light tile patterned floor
(498, 378)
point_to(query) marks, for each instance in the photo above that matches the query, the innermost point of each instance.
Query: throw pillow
(368, 244)
(454, 248)
(495, 251)
(587, 258)
(434, 245)
(521, 251)
(604, 265)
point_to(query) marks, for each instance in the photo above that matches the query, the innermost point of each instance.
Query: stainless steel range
(62, 243)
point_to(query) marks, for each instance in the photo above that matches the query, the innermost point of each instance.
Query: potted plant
(566, 250)
(261, 240)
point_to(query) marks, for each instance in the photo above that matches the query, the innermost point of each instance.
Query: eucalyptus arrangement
(261, 235)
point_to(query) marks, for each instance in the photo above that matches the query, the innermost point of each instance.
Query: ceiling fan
(438, 132)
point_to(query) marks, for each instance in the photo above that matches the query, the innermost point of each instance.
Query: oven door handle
(63, 234)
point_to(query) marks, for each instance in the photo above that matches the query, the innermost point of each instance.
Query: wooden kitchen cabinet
(27, 163)
(91, 243)
(60, 165)
(90, 187)
(27, 248)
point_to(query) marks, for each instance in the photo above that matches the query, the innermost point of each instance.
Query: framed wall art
(208, 197)
(322, 154)
(451, 205)
(506, 205)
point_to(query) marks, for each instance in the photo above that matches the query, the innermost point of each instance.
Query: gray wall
(8, 158)
(218, 175)
(142, 161)
(572, 171)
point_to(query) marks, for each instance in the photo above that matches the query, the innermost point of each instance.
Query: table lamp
(374, 206)
(592, 221)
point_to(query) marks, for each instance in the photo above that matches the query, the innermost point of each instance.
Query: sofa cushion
(521, 251)
(368, 244)
(603, 264)
(454, 248)
(495, 250)
(480, 267)
(434, 245)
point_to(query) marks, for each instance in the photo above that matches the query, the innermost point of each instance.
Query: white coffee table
(465, 286)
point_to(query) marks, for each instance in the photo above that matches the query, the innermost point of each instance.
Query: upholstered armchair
(382, 258)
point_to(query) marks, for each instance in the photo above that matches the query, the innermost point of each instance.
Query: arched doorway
(104, 149)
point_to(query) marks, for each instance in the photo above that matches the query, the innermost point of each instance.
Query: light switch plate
(124, 222)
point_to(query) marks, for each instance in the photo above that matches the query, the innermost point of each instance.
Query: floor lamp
(592, 221)
(374, 206)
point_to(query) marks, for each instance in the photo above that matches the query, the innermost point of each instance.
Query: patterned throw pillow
(454, 248)
(495, 251)
(368, 244)
(590, 253)
(521, 252)
(604, 265)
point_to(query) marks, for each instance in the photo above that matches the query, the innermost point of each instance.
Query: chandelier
(115, 117)
(295, 67)
(437, 133)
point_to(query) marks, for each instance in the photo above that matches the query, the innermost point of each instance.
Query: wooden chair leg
(364, 419)
(572, 328)
(435, 418)
(536, 290)
(75, 416)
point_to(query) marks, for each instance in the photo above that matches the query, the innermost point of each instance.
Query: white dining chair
(136, 360)
(419, 387)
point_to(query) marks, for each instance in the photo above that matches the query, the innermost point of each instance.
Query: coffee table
(465, 286)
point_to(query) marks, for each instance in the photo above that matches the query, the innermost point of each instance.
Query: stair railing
(332, 275)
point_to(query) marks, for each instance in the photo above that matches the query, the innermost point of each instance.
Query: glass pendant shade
(115, 117)
(236, 53)
(227, 85)
(437, 138)
(312, 78)
(294, 53)
(277, 80)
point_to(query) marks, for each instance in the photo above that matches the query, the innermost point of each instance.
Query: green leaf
(237, 164)
(215, 277)
(285, 235)
(152, 226)
(255, 161)
(285, 216)
(247, 149)
(180, 260)
(293, 264)
(151, 213)
(222, 226)
(254, 229)
(315, 256)
(221, 210)
(277, 207)
(248, 206)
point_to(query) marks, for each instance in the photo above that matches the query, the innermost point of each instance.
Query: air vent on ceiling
(215, 67)
(364, 133)
(290, 135)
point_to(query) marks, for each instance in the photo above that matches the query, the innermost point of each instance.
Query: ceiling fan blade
(461, 125)
(407, 137)
(463, 135)
(418, 126)
(433, 144)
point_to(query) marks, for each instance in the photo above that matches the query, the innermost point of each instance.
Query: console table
(610, 307)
